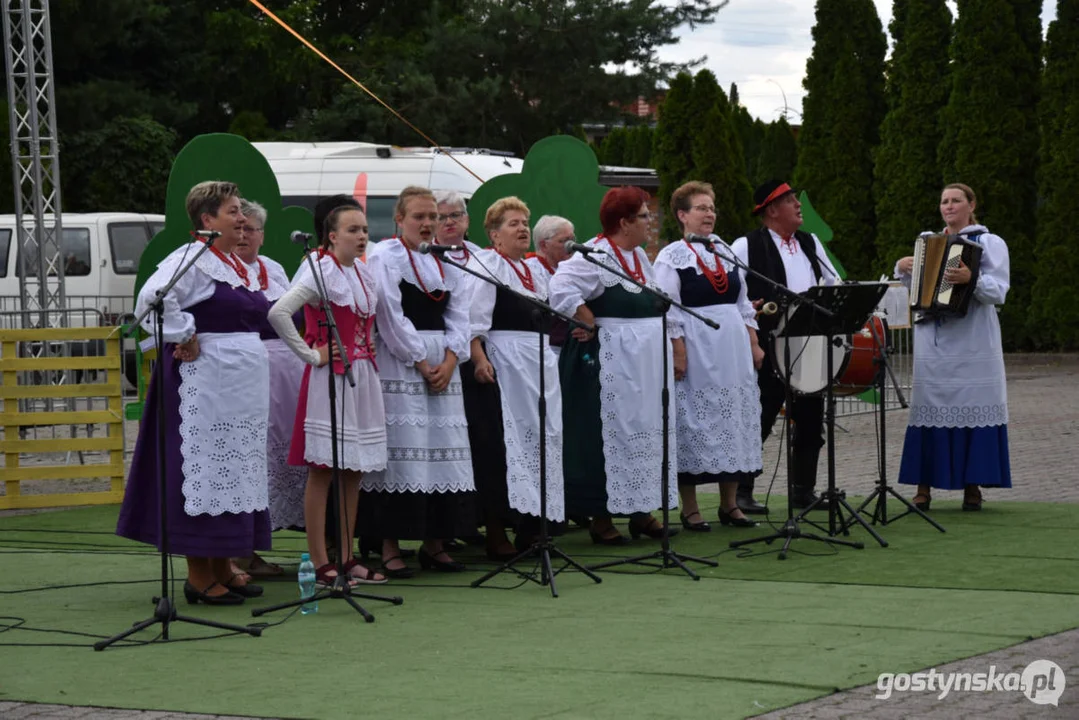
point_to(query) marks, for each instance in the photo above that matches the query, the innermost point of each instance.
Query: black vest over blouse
(698, 292)
(424, 312)
(764, 257)
(513, 313)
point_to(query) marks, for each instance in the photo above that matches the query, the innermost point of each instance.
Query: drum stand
(543, 547)
(883, 489)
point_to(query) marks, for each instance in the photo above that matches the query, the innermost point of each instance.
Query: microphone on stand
(207, 234)
(699, 239)
(432, 249)
(301, 238)
(573, 247)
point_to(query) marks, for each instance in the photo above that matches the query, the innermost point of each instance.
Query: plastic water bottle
(306, 578)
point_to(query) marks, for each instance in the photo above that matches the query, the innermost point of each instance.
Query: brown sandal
(922, 504)
(972, 498)
(367, 576)
(323, 578)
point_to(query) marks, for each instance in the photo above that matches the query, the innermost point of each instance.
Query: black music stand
(883, 490)
(852, 305)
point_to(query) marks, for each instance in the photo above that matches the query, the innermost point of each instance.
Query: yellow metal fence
(25, 408)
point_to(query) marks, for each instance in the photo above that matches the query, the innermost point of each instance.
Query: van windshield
(127, 241)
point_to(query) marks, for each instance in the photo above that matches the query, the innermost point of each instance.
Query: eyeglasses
(705, 208)
(248, 228)
(455, 216)
(644, 216)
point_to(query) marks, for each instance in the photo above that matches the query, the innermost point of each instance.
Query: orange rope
(360, 85)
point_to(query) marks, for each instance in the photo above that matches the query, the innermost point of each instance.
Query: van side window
(74, 254)
(5, 247)
(380, 222)
(127, 241)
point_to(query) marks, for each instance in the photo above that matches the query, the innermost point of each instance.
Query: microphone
(432, 249)
(301, 238)
(208, 234)
(573, 247)
(699, 239)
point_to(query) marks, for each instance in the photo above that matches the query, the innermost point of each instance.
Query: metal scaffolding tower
(35, 155)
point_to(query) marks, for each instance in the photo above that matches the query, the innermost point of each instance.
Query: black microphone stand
(665, 555)
(883, 489)
(543, 547)
(341, 589)
(790, 530)
(164, 606)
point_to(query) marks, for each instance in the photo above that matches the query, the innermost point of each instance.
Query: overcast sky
(763, 45)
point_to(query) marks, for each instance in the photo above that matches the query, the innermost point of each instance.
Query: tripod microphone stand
(666, 556)
(543, 547)
(341, 589)
(164, 606)
(883, 489)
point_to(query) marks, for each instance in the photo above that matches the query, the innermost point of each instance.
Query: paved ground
(1043, 396)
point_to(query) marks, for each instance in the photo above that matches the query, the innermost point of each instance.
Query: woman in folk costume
(481, 401)
(216, 397)
(360, 418)
(507, 335)
(612, 377)
(286, 483)
(718, 400)
(426, 492)
(550, 235)
(957, 432)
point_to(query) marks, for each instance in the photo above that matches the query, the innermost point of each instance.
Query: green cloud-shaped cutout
(221, 156)
(560, 177)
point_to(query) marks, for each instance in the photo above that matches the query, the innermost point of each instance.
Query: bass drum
(854, 359)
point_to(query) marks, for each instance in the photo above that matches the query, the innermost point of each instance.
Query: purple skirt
(220, 536)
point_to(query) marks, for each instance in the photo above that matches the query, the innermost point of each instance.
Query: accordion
(930, 293)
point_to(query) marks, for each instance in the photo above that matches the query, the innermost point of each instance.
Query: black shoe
(429, 562)
(195, 596)
(401, 573)
(924, 504)
(725, 518)
(975, 496)
(501, 556)
(477, 540)
(249, 590)
(652, 530)
(804, 498)
(750, 506)
(598, 539)
(701, 526)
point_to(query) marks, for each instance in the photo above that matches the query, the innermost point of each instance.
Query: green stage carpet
(754, 634)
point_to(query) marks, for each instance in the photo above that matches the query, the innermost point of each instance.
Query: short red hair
(620, 203)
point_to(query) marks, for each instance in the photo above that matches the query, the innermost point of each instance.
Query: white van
(101, 253)
(308, 172)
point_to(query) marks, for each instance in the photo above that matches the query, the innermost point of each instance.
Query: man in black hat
(796, 259)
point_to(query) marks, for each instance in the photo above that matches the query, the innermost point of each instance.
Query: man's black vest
(764, 257)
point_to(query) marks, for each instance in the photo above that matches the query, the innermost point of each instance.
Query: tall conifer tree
(718, 159)
(907, 177)
(990, 138)
(1054, 309)
(672, 149)
(778, 153)
(842, 114)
